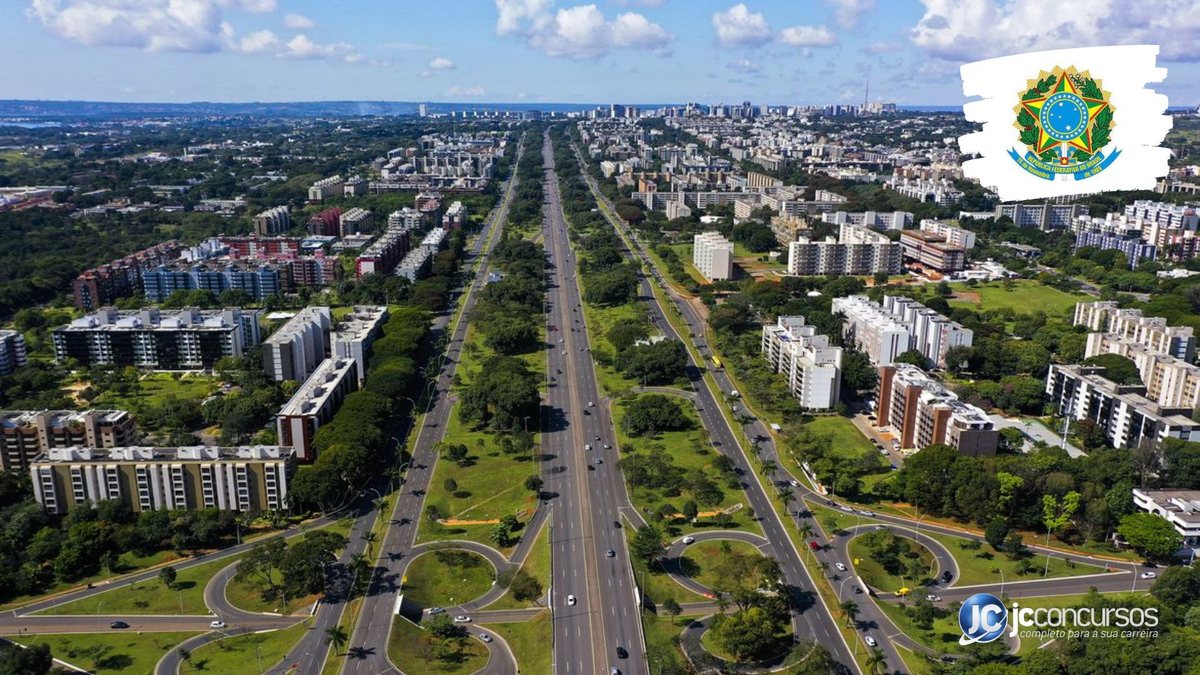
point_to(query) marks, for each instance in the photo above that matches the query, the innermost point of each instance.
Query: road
(813, 619)
(587, 496)
(368, 642)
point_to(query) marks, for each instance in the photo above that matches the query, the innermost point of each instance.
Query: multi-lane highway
(597, 626)
(368, 643)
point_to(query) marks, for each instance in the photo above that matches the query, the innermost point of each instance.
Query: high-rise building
(901, 324)
(933, 251)
(894, 220)
(1170, 382)
(1044, 216)
(314, 404)
(259, 279)
(858, 250)
(1151, 332)
(28, 433)
(923, 412)
(712, 255)
(12, 351)
(121, 278)
(186, 339)
(812, 366)
(273, 221)
(1122, 411)
(294, 351)
(245, 479)
(325, 188)
(355, 220)
(356, 332)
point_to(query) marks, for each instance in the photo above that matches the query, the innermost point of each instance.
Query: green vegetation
(155, 389)
(281, 576)
(153, 596)
(528, 641)
(887, 562)
(1021, 295)
(707, 561)
(443, 648)
(662, 643)
(531, 581)
(447, 577)
(129, 652)
(258, 652)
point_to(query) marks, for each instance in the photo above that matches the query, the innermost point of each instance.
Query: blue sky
(777, 51)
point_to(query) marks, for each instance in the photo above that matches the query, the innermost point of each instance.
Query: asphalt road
(813, 620)
(368, 642)
(587, 496)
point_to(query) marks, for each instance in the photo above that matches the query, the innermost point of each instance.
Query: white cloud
(883, 47)
(579, 32)
(298, 22)
(744, 66)
(256, 6)
(846, 12)
(259, 42)
(970, 30)
(466, 92)
(739, 27)
(807, 36)
(641, 3)
(302, 47)
(441, 63)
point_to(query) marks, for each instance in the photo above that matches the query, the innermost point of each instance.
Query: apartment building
(893, 220)
(933, 251)
(455, 217)
(382, 256)
(886, 331)
(1151, 332)
(941, 192)
(13, 354)
(186, 339)
(1170, 382)
(1122, 411)
(1180, 508)
(355, 186)
(355, 220)
(415, 265)
(28, 433)
(356, 332)
(953, 235)
(857, 250)
(712, 255)
(1131, 244)
(922, 412)
(1045, 216)
(259, 279)
(812, 366)
(294, 351)
(325, 188)
(273, 221)
(1172, 216)
(327, 223)
(244, 479)
(314, 404)
(101, 286)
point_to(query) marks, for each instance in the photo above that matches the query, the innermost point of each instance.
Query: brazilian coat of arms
(1064, 120)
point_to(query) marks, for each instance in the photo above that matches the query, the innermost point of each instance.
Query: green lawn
(879, 578)
(537, 565)
(247, 653)
(447, 577)
(975, 565)
(128, 562)
(942, 638)
(847, 439)
(658, 587)
(247, 594)
(684, 251)
(662, 642)
(408, 645)
(599, 321)
(702, 559)
(151, 597)
(690, 450)
(126, 652)
(530, 642)
(155, 387)
(1026, 295)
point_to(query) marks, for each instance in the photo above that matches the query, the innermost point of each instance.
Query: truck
(776, 428)
(733, 393)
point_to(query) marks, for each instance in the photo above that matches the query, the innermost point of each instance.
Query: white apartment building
(712, 255)
(355, 220)
(857, 250)
(1170, 382)
(12, 351)
(1122, 411)
(933, 334)
(1172, 216)
(813, 368)
(1180, 508)
(355, 333)
(893, 220)
(295, 350)
(955, 236)
(898, 325)
(314, 404)
(1044, 216)
(1151, 332)
(325, 189)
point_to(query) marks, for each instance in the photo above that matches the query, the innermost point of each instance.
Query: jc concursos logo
(982, 618)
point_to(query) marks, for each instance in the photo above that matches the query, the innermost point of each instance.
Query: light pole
(1001, 581)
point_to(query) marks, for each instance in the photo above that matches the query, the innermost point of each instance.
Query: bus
(716, 362)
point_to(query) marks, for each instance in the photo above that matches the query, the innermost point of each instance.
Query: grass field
(600, 320)
(847, 439)
(537, 565)
(127, 562)
(702, 559)
(879, 578)
(408, 645)
(1022, 295)
(151, 597)
(247, 594)
(684, 251)
(127, 653)
(250, 652)
(529, 641)
(156, 387)
(690, 450)
(447, 577)
(658, 587)
(662, 642)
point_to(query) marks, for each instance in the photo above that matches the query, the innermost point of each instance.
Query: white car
(571, 600)
(485, 637)
(591, 404)
(840, 566)
(870, 641)
(1147, 575)
(462, 619)
(216, 624)
(933, 598)
(794, 483)
(587, 446)
(689, 540)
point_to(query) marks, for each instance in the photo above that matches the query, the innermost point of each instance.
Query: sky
(633, 51)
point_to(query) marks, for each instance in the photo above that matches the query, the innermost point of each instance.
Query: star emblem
(1069, 113)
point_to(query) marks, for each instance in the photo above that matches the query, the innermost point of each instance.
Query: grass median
(124, 653)
(249, 652)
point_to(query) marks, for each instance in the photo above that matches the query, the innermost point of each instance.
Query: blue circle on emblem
(1064, 116)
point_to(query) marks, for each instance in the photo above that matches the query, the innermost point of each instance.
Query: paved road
(587, 496)
(368, 642)
(677, 549)
(814, 620)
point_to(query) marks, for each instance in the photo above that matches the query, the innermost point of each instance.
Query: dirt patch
(969, 296)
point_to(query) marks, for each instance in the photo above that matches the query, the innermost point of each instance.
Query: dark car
(947, 576)
(118, 624)
(617, 524)
(621, 653)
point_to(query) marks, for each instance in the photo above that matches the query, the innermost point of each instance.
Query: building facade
(186, 339)
(923, 412)
(1122, 411)
(294, 351)
(314, 404)
(900, 324)
(13, 354)
(273, 221)
(356, 332)
(28, 433)
(812, 366)
(712, 255)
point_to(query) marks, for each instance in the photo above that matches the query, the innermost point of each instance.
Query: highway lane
(815, 621)
(368, 642)
(587, 485)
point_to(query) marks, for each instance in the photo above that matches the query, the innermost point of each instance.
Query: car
(840, 566)
(933, 598)
(435, 610)
(462, 618)
(689, 540)
(607, 446)
(561, 340)
(564, 352)
(571, 600)
(857, 590)
(617, 524)
(599, 460)
(591, 404)
(597, 438)
(118, 624)
(847, 509)
(880, 527)
(216, 624)
(794, 483)
(485, 637)
(587, 446)
(1147, 575)
(622, 653)
(610, 553)
(614, 671)
(814, 545)
(947, 576)
(870, 641)
(865, 512)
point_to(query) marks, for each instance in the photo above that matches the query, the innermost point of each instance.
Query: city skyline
(527, 51)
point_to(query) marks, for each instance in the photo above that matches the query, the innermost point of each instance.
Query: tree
(958, 358)
(850, 611)
(995, 533)
(534, 484)
(876, 661)
(510, 335)
(1178, 588)
(746, 635)
(654, 364)
(646, 544)
(690, 510)
(1150, 535)
(1117, 368)
(1055, 514)
(525, 587)
(32, 660)
(858, 374)
(651, 414)
(912, 357)
(671, 607)
(336, 636)
(167, 576)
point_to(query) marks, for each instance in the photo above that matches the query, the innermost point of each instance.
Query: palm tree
(336, 636)
(876, 661)
(768, 468)
(806, 531)
(850, 609)
(381, 505)
(787, 497)
(370, 538)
